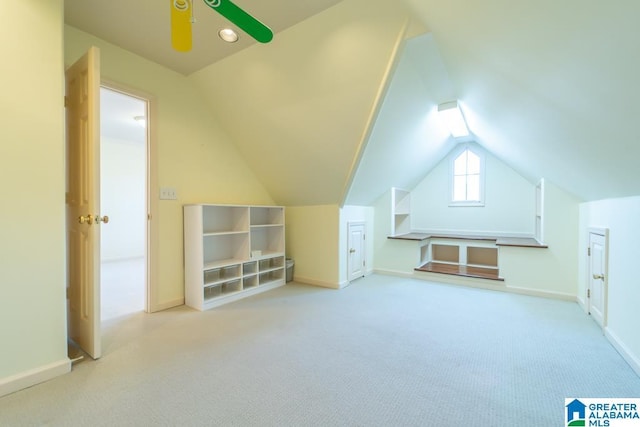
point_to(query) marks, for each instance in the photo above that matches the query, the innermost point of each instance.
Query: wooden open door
(82, 199)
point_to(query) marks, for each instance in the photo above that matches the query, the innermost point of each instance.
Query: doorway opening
(124, 150)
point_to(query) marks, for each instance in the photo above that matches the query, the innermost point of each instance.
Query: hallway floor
(122, 288)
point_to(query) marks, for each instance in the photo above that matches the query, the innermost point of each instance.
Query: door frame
(363, 248)
(604, 232)
(152, 233)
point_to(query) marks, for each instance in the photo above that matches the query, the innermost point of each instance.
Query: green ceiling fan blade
(242, 19)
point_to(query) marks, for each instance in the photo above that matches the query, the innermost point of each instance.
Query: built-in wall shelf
(400, 211)
(231, 252)
(539, 224)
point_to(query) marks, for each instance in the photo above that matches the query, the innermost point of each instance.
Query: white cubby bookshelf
(231, 252)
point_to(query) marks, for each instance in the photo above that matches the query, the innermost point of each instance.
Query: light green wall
(509, 202)
(620, 216)
(32, 239)
(194, 155)
(312, 241)
(553, 271)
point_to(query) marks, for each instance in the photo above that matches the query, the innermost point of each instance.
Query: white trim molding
(321, 283)
(624, 351)
(34, 376)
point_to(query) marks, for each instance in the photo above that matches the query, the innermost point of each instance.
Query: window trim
(452, 159)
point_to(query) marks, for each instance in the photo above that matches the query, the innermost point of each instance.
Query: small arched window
(467, 178)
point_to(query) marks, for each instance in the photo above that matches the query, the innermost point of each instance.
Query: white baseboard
(542, 293)
(477, 283)
(624, 351)
(343, 284)
(34, 376)
(396, 273)
(314, 282)
(582, 303)
(166, 305)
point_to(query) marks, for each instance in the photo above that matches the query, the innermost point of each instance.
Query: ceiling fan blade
(242, 19)
(181, 25)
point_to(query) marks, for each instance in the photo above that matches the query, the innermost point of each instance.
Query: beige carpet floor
(381, 352)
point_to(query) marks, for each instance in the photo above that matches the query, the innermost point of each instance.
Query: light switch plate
(168, 193)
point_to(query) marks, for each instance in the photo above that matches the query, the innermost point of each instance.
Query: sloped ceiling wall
(407, 139)
(549, 87)
(298, 108)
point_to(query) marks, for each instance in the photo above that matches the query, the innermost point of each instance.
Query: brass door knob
(85, 219)
(351, 251)
(104, 219)
(599, 276)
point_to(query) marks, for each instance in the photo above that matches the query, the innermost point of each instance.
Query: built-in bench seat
(524, 242)
(463, 254)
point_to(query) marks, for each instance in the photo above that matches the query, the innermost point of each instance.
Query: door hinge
(588, 293)
(589, 251)
(364, 237)
(66, 102)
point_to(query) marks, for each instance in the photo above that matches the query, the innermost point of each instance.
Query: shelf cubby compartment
(221, 249)
(231, 287)
(266, 215)
(482, 257)
(212, 292)
(269, 264)
(249, 268)
(400, 211)
(271, 276)
(249, 282)
(224, 219)
(267, 240)
(445, 253)
(221, 274)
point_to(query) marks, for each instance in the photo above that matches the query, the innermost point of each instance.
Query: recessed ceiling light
(228, 35)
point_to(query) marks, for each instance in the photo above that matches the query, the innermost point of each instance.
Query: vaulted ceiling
(339, 107)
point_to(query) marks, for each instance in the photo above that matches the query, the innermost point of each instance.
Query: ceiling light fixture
(228, 35)
(454, 120)
(141, 120)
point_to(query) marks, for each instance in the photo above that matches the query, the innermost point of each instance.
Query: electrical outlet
(168, 193)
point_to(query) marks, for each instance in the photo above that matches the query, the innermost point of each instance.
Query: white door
(83, 202)
(597, 291)
(356, 262)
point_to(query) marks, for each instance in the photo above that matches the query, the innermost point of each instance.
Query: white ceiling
(143, 26)
(117, 116)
